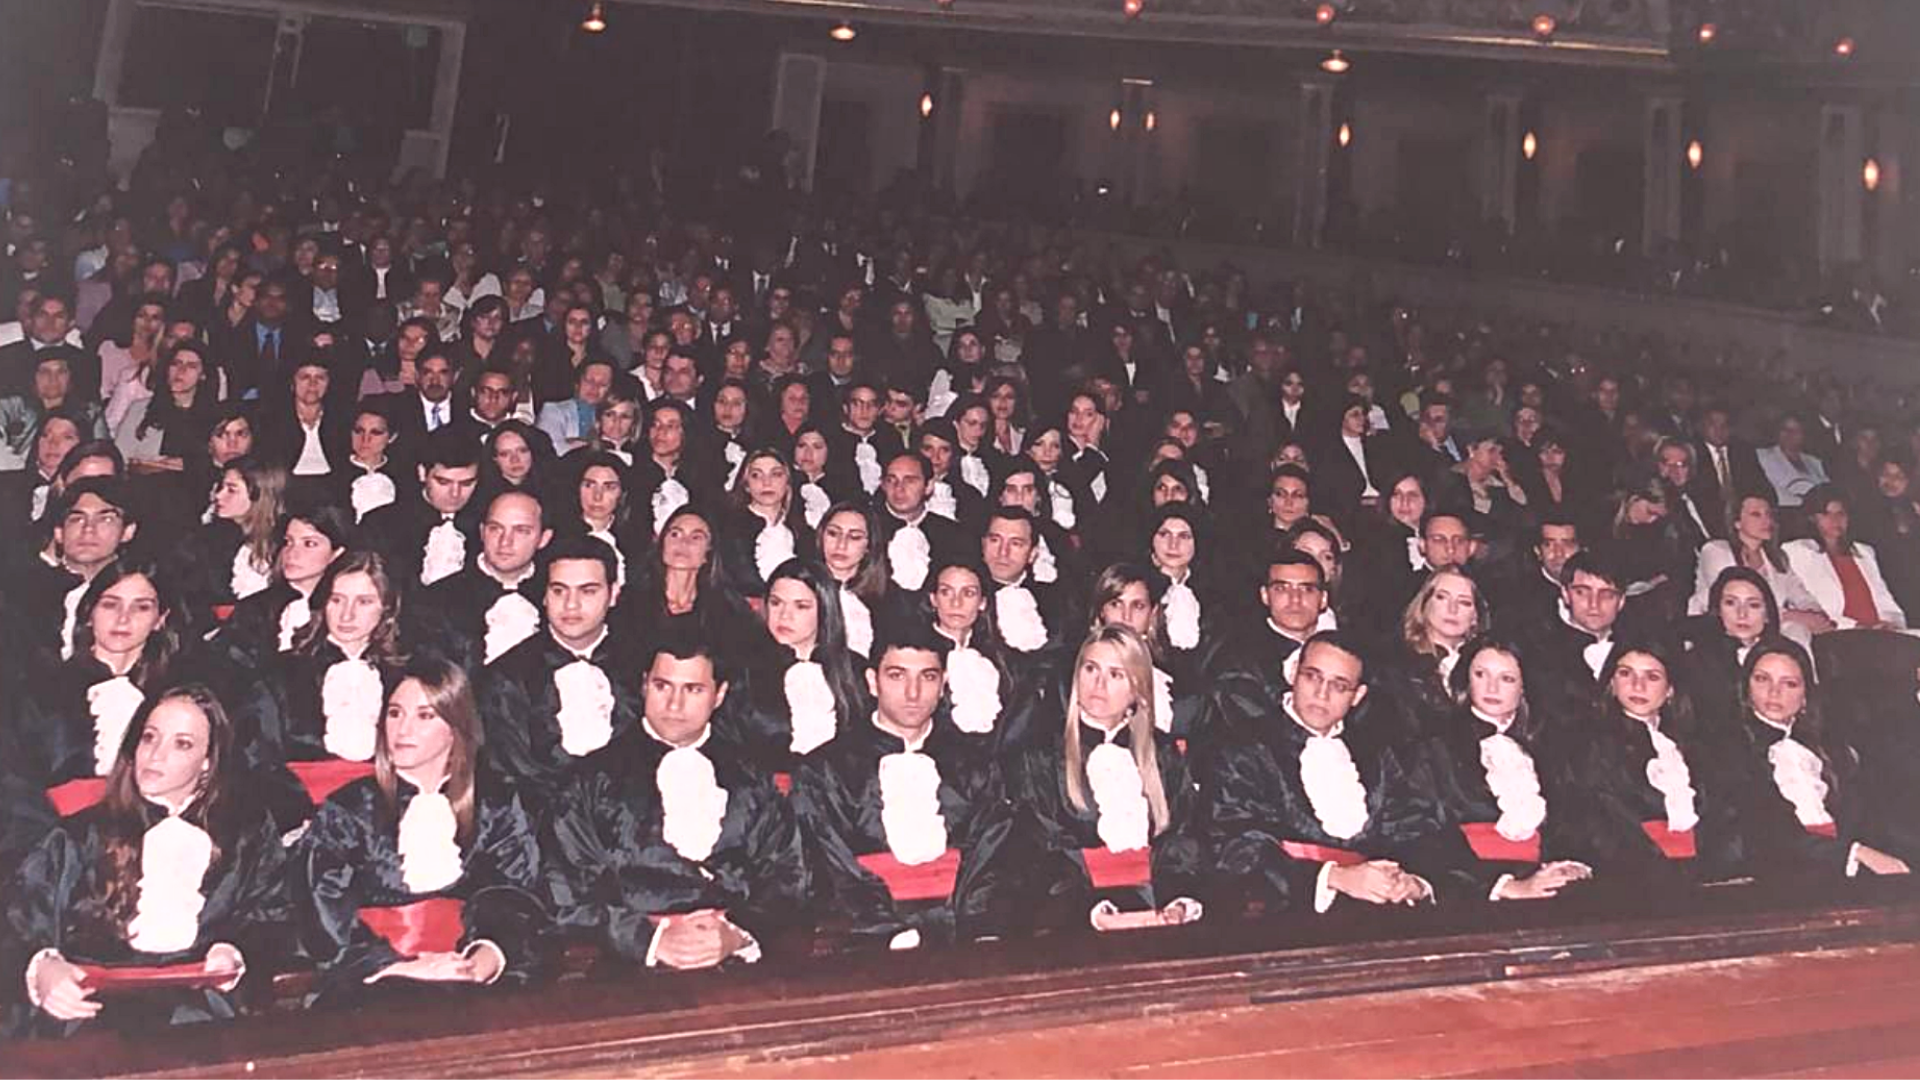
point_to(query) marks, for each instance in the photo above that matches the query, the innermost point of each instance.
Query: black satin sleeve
(1046, 868)
(1246, 813)
(610, 872)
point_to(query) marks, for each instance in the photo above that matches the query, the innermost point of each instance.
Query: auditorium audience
(494, 575)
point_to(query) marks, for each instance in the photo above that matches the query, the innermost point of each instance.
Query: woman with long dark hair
(310, 539)
(807, 684)
(1741, 613)
(1643, 772)
(426, 870)
(679, 588)
(126, 639)
(169, 423)
(170, 869)
(1803, 807)
(1491, 768)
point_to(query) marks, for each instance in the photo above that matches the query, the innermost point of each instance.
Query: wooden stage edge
(775, 1020)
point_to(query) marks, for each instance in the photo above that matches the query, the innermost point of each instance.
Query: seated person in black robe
(1106, 829)
(1804, 812)
(903, 817)
(1484, 759)
(913, 535)
(436, 535)
(492, 605)
(172, 869)
(1260, 659)
(1306, 804)
(1029, 615)
(428, 870)
(1653, 809)
(567, 690)
(669, 846)
(989, 686)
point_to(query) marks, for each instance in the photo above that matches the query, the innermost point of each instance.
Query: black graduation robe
(610, 870)
(1604, 763)
(48, 898)
(452, 612)
(836, 795)
(1777, 845)
(1058, 866)
(1256, 800)
(399, 533)
(349, 860)
(520, 708)
(1450, 756)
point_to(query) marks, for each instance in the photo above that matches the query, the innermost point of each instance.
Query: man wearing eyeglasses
(1305, 815)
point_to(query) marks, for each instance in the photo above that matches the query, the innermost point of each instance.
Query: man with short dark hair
(903, 814)
(434, 536)
(563, 692)
(1303, 814)
(668, 845)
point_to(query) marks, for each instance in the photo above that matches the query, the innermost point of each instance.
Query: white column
(114, 37)
(1841, 196)
(949, 98)
(1315, 155)
(799, 81)
(446, 91)
(1136, 142)
(1500, 159)
(1664, 148)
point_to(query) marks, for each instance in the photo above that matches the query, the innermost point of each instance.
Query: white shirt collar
(581, 654)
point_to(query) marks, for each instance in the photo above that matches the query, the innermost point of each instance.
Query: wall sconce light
(1345, 136)
(1870, 175)
(844, 32)
(1695, 154)
(1336, 63)
(1113, 120)
(1325, 14)
(1151, 121)
(1544, 25)
(596, 19)
(1529, 145)
(1707, 32)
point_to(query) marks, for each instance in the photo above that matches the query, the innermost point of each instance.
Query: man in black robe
(564, 693)
(668, 845)
(483, 611)
(1309, 804)
(433, 537)
(904, 818)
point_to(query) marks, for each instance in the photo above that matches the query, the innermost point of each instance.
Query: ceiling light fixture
(1336, 64)
(596, 19)
(843, 32)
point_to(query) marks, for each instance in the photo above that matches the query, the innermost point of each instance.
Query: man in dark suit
(1725, 467)
(46, 332)
(271, 341)
(432, 403)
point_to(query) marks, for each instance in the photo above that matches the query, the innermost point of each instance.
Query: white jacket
(1814, 569)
